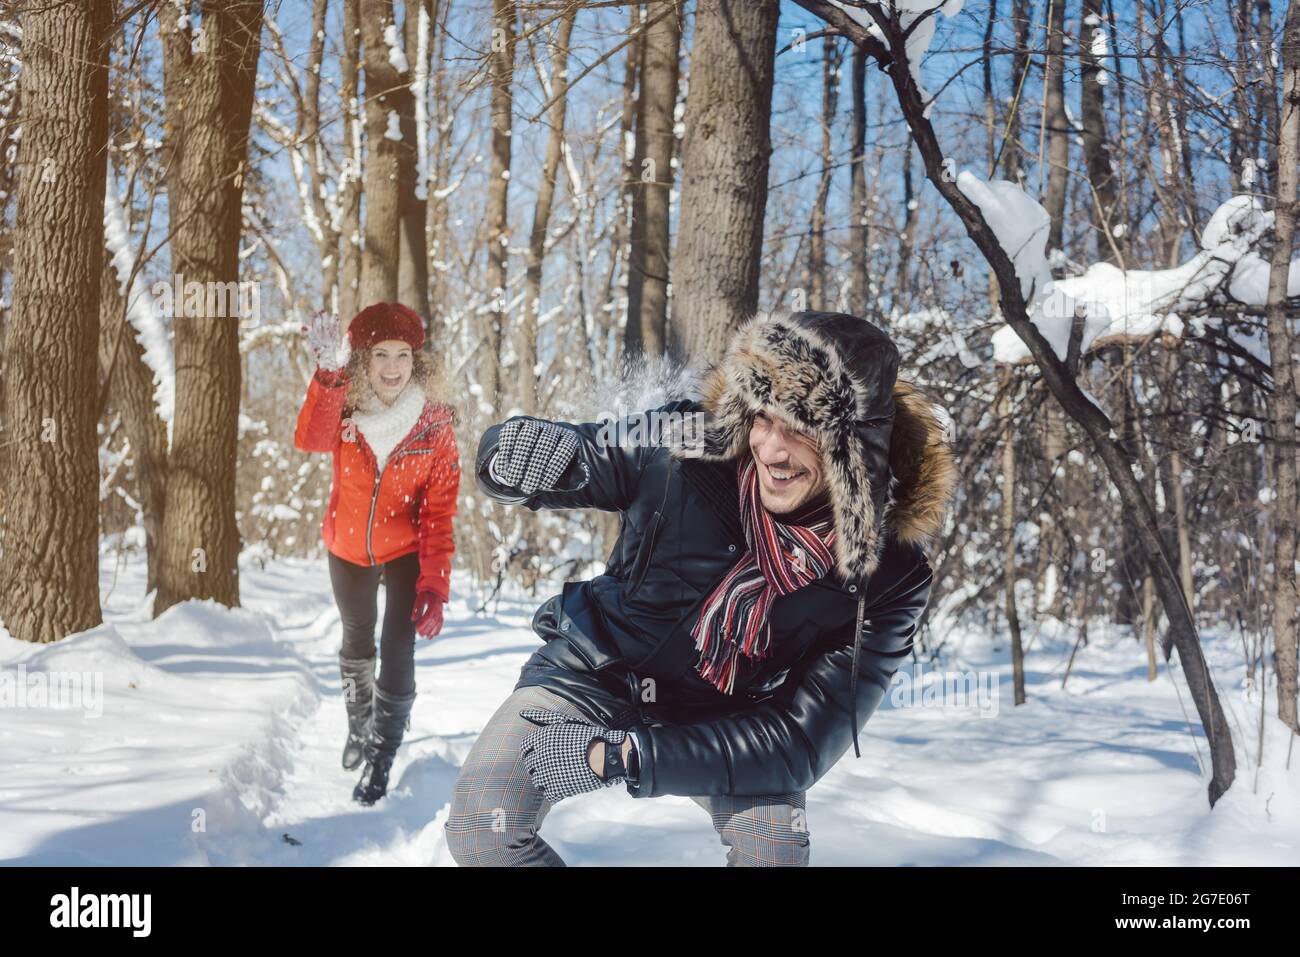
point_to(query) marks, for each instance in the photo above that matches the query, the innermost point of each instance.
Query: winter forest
(1076, 220)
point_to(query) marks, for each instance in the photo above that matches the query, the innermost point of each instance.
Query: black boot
(358, 695)
(386, 732)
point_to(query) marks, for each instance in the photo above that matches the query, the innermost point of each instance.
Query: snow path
(221, 730)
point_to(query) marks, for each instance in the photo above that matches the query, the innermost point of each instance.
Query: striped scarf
(781, 558)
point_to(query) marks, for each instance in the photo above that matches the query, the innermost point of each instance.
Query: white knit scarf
(384, 426)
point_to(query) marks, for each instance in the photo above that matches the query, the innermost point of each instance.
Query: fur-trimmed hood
(834, 376)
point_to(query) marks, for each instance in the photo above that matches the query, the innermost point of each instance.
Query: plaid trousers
(496, 811)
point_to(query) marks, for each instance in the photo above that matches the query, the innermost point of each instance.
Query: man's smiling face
(789, 464)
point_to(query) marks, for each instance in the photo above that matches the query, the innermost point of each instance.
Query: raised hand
(325, 341)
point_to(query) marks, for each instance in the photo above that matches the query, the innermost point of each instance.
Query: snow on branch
(917, 19)
(1122, 302)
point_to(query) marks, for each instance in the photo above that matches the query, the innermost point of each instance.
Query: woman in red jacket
(396, 474)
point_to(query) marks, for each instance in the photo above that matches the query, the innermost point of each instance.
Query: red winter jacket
(407, 508)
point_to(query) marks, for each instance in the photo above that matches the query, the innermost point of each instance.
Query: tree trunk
(502, 70)
(1282, 400)
(633, 193)
(1057, 125)
(439, 240)
(209, 84)
(350, 249)
(832, 57)
(542, 216)
(859, 230)
(309, 131)
(1096, 149)
(1011, 148)
(131, 393)
(725, 160)
(49, 568)
(412, 202)
(387, 100)
(658, 101)
(1009, 533)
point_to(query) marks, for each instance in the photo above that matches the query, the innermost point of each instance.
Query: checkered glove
(556, 753)
(325, 341)
(532, 455)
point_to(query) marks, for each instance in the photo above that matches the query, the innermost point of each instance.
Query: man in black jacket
(766, 584)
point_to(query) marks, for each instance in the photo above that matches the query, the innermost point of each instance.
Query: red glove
(427, 614)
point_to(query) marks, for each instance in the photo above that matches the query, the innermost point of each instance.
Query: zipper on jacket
(379, 476)
(656, 523)
(370, 522)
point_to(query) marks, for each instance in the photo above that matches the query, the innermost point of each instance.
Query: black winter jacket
(619, 646)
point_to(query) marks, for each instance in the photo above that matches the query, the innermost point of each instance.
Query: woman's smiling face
(789, 464)
(391, 363)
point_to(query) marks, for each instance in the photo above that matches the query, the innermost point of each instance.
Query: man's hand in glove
(562, 753)
(532, 455)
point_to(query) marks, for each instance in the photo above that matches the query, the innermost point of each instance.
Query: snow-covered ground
(217, 737)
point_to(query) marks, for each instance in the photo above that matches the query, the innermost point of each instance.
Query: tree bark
(1056, 123)
(413, 248)
(1011, 148)
(209, 84)
(1096, 149)
(309, 131)
(387, 100)
(629, 250)
(350, 188)
(832, 57)
(502, 70)
(1282, 400)
(49, 567)
(131, 392)
(658, 101)
(439, 239)
(1008, 515)
(725, 159)
(527, 348)
(860, 227)
(633, 195)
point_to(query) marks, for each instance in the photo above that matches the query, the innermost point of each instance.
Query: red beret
(383, 321)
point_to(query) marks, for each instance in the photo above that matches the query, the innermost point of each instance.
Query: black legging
(356, 588)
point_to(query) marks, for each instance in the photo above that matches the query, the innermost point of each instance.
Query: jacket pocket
(571, 618)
